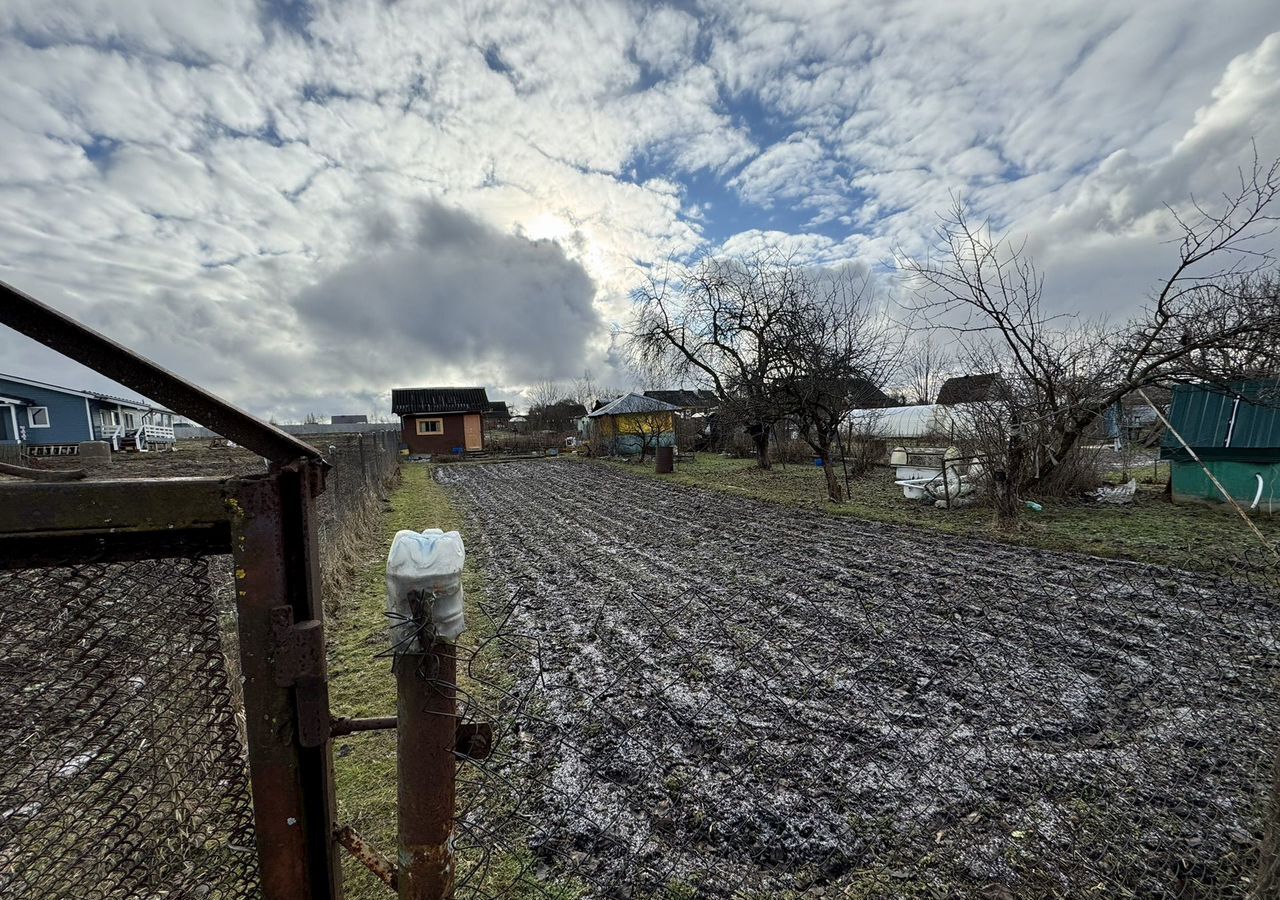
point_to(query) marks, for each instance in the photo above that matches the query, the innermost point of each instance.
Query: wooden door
(471, 432)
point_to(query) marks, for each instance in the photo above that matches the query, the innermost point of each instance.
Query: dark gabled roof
(857, 393)
(498, 410)
(863, 394)
(686, 399)
(354, 419)
(631, 404)
(408, 401)
(970, 389)
(563, 409)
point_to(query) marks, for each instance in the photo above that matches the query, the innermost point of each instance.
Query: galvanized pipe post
(426, 735)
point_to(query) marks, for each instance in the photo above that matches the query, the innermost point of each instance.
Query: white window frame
(31, 417)
(420, 422)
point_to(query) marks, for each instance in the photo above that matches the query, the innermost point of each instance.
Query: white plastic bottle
(424, 588)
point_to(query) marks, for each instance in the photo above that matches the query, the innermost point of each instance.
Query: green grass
(1151, 530)
(361, 684)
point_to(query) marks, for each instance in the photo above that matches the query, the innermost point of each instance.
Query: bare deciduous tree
(585, 390)
(544, 393)
(1215, 318)
(926, 365)
(649, 427)
(720, 324)
(836, 353)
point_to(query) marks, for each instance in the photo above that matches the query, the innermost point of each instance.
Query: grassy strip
(1151, 530)
(361, 684)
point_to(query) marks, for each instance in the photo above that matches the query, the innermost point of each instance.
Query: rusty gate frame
(267, 523)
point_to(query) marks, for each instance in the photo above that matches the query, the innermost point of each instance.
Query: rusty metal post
(281, 634)
(425, 603)
(426, 701)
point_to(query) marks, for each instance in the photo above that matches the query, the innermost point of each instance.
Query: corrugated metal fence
(1236, 421)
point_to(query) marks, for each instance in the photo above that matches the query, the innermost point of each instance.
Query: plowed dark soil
(727, 698)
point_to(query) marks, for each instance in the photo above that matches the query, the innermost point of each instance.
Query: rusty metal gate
(164, 721)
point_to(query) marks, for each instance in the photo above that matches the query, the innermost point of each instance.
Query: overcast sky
(302, 204)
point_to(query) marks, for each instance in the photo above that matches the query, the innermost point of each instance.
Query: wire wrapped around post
(424, 603)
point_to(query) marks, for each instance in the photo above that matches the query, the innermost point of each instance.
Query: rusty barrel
(665, 457)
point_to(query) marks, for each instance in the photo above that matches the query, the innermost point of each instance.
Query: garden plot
(727, 697)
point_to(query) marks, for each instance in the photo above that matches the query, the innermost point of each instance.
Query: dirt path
(732, 697)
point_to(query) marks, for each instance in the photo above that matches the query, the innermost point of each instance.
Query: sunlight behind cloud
(181, 178)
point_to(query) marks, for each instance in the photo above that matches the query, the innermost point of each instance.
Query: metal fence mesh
(122, 769)
(364, 466)
(122, 761)
(697, 695)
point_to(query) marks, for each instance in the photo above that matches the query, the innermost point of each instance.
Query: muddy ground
(719, 697)
(191, 459)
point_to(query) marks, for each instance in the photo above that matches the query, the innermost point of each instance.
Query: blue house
(47, 420)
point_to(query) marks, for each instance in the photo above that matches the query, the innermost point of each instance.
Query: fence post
(278, 616)
(425, 605)
(426, 734)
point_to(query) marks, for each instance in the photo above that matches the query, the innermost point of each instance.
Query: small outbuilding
(498, 416)
(1235, 430)
(436, 421)
(633, 423)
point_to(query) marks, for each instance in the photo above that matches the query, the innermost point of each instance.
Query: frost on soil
(717, 695)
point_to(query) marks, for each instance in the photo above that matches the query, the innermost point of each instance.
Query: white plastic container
(424, 588)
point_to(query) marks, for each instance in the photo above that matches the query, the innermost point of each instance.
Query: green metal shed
(1235, 430)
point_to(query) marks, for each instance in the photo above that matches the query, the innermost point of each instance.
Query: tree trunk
(760, 437)
(829, 472)
(1071, 436)
(1007, 481)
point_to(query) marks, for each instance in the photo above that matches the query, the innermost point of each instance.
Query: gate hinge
(297, 661)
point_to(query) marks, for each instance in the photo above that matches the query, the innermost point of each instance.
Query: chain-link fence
(122, 768)
(695, 695)
(364, 466)
(122, 751)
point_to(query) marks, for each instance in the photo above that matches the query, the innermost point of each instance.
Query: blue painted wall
(68, 421)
